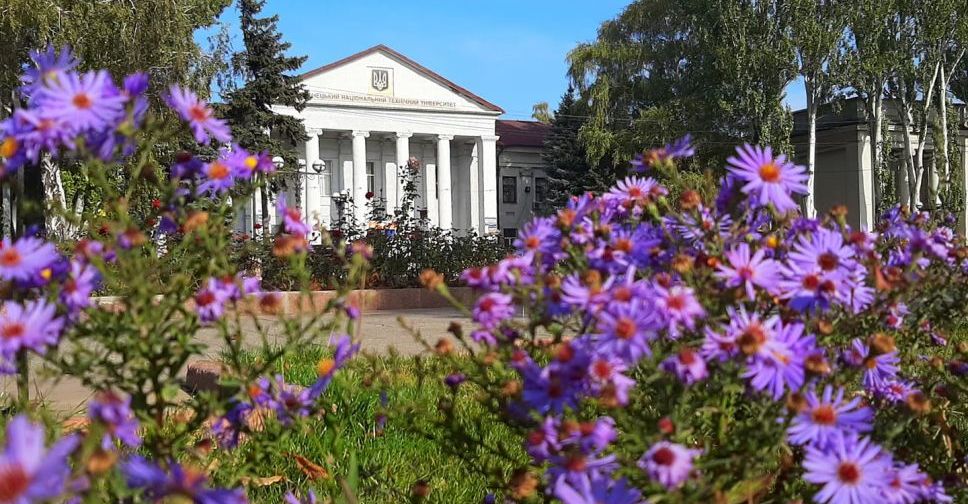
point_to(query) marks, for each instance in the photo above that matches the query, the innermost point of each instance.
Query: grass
(383, 466)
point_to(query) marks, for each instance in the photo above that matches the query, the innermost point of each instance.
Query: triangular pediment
(380, 77)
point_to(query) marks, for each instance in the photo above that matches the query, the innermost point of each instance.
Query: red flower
(369, 195)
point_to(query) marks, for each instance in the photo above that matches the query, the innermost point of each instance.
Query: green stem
(23, 379)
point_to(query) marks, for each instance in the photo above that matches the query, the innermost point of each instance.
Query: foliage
(143, 442)
(267, 81)
(644, 352)
(568, 169)
(662, 68)
(356, 428)
(401, 246)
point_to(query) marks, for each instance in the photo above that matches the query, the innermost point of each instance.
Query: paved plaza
(381, 330)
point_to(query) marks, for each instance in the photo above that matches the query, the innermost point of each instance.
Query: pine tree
(568, 170)
(265, 70)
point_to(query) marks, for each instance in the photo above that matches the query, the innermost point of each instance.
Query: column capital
(358, 133)
(490, 138)
(445, 138)
(314, 131)
(403, 134)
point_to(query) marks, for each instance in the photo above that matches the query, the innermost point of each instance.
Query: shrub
(723, 350)
(402, 246)
(141, 441)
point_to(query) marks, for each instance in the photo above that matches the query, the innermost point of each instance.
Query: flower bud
(431, 279)
(522, 485)
(882, 343)
(444, 347)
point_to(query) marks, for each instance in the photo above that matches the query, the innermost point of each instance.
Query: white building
(369, 113)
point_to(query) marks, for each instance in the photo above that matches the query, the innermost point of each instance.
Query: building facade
(369, 114)
(844, 173)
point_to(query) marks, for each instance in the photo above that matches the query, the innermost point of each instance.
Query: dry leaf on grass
(310, 468)
(260, 482)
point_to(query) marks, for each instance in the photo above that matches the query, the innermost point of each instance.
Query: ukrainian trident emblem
(381, 79)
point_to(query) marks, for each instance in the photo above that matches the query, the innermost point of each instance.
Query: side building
(845, 173)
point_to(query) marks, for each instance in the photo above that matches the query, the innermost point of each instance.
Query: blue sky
(510, 52)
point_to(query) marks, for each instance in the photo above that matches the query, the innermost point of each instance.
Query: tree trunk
(876, 126)
(908, 155)
(810, 202)
(54, 198)
(922, 131)
(943, 110)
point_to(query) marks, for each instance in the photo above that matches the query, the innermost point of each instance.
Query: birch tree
(817, 28)
(870, 54)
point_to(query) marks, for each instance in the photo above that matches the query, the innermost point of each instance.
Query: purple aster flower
(879, 370)
(590, 437)
(76, 289)
(770, 180)
(292, 222)
(228, 428)
(88, 101)
(492, 309)
(904, 486)
(27, 473)
(310, 498)
(607, 381)
(217, 177)
(687, 365)
(25, 258)
(159, 484)
(113, 411)
(678, 307)
(598, 491)
(286, 400)
(852, 470)
(31, 326)
(579, 469)
(200, 117)
(782, 368)
(210, 301)
(895, 390)
(539, 236)
(718, 346)
(827, 416)
(625, 329)
(668, 464)
(343, 350)
(748, 271)
(548, 389)
(635, 191)
(543, 441)
(246, 165)
(47, 67)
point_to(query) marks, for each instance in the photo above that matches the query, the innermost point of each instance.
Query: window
(370, 176)
(509, 185)
(540, 191)
(509, 234)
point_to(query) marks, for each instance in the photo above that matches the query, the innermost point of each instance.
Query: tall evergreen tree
(568, 170)
(265, 71)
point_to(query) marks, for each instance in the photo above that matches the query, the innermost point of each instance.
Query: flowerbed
(723, 351)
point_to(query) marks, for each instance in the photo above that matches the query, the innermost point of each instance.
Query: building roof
(521, 133)
(417, 67)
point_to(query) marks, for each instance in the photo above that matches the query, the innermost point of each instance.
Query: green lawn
(390, 462)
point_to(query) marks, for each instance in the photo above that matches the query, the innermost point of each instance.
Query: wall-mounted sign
(378, 100)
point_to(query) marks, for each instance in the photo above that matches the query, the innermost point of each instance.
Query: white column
(445, 202)
(359, 175)
(312, 192)
(475, 186)
(865, 182)
(403, 156)
(430, 183)
(487, 152)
